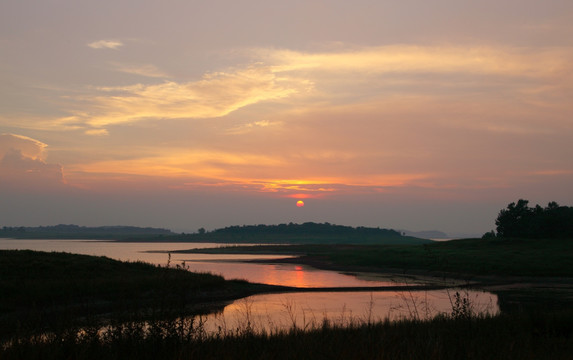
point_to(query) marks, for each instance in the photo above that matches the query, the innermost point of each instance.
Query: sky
(182, 114)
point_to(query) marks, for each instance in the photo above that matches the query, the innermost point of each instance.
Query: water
(229, 266)
(277, 311)
(309, 310)
(147, 252)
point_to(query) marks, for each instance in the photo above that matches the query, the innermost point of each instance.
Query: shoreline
(514, 291)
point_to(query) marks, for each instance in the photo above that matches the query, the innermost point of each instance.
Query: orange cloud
(553, 172)
(222, 170)
(303, 80)
(216, 95)
(426, 59)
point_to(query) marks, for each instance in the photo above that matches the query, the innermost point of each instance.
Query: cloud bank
(353, 120)
(303, 79)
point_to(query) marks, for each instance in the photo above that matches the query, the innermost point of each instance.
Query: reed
(524, 336)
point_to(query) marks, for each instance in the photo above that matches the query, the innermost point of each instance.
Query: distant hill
(76, 231)
(308, 228)
(306, 233)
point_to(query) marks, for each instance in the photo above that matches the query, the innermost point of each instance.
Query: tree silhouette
(521, 221)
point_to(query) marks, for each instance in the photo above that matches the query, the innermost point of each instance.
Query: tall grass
(464, 333)
(44, 292)
(526, 336)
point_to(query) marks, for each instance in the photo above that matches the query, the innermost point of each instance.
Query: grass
(502, 337)
(474, 256)
(514, 257)
(40, 290)
(542, 268)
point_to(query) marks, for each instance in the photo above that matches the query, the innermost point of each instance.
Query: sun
(300, 203)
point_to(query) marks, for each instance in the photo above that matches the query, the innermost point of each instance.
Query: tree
(519, 220)
(489, 235)
(511, 222)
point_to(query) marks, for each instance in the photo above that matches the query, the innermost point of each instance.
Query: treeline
(307, 228)
(306, 233)
(519, 220)
(63, 230)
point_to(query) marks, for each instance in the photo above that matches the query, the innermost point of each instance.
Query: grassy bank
(40, 291)
(534, 274)
(477, 257)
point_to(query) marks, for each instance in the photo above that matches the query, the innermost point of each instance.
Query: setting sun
(300, 203)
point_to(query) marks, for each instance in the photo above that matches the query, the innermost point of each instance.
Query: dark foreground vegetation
(525, 336)
(45, 292)
(466, 258)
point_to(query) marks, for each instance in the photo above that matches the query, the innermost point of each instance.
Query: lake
(277, 311)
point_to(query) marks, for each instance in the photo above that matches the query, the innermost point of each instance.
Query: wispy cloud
(97, 132)
(105, 44)
(252, 126)
(147, 70)
(328, 77)
(553, 172)
(524, 62)
(22, 163)
(180, 163)
(250, 171)
(215, 95)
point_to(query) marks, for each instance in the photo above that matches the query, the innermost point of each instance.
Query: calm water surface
(229, 266)
(304, 310)
(275, 311)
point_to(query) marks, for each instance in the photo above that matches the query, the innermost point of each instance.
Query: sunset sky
(183, 114)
